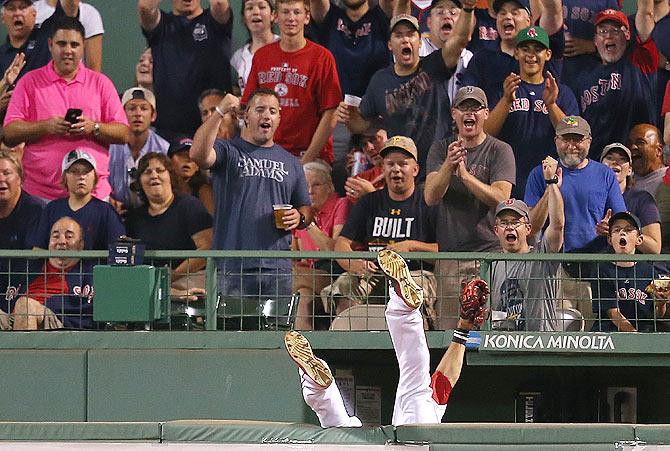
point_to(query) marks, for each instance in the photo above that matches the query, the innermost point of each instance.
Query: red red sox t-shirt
(307, 85)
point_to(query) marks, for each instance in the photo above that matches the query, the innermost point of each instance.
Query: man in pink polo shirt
(37, 114)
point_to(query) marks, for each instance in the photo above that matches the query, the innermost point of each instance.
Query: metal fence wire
(311, 291)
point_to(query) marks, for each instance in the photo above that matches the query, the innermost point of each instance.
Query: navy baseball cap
(525, 4)
(183, 143)
(628, 216)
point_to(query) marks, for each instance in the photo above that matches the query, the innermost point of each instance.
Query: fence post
(210, 301)
(485, 274)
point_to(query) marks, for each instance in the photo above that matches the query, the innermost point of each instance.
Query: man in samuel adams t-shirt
(250, 174)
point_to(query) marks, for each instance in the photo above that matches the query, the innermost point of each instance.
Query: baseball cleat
(396, 268)
(301, 352)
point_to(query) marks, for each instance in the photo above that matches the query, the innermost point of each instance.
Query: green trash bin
(130, 293)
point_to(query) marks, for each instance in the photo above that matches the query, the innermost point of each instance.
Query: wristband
(460, 336)
(468, 10)
(219, 110)
(552, 180)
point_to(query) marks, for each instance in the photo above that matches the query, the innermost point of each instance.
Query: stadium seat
(361, 317)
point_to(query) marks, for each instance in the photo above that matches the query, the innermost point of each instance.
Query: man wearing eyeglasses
(589, 189)
(469, 174)
(527, 290)
(620, 90)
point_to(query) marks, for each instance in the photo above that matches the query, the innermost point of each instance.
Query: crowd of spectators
(413, 125)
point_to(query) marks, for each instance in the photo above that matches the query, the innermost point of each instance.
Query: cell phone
(72, 115)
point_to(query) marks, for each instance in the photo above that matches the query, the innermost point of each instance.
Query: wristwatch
(96, 129)
(552, 180)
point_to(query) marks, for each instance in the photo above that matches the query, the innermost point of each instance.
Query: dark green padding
(234, 431)
(514, 433)
(653, 434)
(37, 431)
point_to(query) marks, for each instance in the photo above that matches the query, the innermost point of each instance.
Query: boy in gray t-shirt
(526, 290)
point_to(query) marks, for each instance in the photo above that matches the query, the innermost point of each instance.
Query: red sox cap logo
(469, 89)
(85, 291)
(509, 201)
(532, 32)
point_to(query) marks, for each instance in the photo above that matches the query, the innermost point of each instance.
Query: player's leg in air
(420, 398)
(318, 387)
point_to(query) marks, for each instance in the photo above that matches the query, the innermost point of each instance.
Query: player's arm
(150, 13)
(490, 195)
(319, 9)
(644, 19)
(620, 321)
(202, 151)
(451, 50)
(666, 132)
(451, 364)
(320, 136)
(552, 16)
(220, 10)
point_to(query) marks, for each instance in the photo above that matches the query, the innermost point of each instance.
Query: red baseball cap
(614, 16)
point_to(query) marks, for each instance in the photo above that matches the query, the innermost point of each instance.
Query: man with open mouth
(251, 174)
(618, 90)
(442, 18)
(469, 174)
(527, 290)
(410, 97)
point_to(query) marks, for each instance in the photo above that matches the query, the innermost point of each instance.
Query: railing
(361, 306)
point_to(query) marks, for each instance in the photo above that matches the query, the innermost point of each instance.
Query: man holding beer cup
(260, 195)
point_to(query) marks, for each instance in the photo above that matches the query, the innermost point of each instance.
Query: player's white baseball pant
(414, 403)
(327, 403)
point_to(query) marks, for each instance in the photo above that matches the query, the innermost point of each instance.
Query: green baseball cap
(533, 33)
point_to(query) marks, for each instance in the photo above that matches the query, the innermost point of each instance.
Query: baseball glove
(473, 301)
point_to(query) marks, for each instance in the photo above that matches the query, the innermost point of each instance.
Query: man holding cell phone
(61, 107)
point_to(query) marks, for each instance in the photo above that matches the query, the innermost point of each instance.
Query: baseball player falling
(419, 398)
